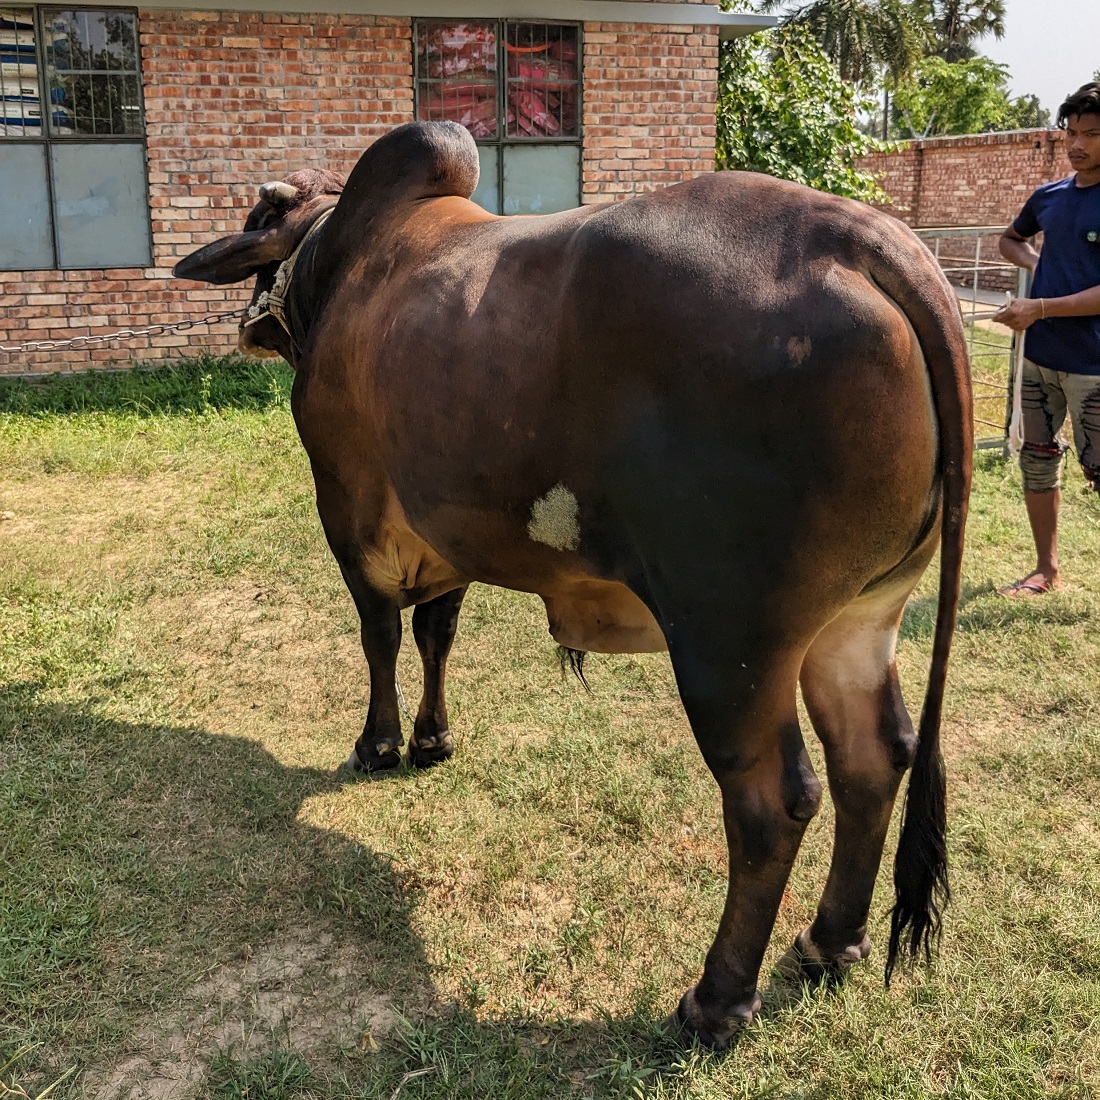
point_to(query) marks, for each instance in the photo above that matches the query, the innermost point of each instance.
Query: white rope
(401, 700)
(272, 303)
(1016, 420)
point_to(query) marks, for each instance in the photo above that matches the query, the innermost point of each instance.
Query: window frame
(502, 140)
(47, 139)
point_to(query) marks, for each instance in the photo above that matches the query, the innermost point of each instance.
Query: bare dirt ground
(308, 994)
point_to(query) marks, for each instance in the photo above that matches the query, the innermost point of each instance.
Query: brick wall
(649, 98)
(231, 99)
(234, 98)
(980, 179)
(973, 180)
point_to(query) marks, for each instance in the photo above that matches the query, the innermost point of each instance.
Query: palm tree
(865, 37)
(956, 24)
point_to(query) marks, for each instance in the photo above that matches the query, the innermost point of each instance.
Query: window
(516, 88)
(72, 148)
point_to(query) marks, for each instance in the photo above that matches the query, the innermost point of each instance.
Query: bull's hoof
(805, 962)
(688, 1020)
(374, 761)
(431, 750)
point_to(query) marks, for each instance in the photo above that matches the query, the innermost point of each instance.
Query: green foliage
(784, 110)
(1026, 113)
(962, 97)
(863, 37)
(893, 43)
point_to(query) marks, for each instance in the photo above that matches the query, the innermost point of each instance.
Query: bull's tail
(921, 885)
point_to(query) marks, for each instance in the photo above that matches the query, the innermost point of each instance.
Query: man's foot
(1034, 584)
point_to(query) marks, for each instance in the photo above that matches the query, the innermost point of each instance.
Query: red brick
(235, 98)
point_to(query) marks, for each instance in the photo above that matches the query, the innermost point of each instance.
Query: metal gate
(982, 278)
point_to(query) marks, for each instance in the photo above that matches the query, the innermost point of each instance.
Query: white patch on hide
(867, 654)
(799, 348)
(554, 519)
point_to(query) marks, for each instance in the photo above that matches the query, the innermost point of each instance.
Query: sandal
(1027, 587)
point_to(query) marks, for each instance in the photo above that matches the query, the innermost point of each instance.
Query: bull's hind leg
(850, 686)
(741, 705)
(434, 625)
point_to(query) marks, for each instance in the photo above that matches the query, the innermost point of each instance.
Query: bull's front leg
(379, 745)
(434, 625)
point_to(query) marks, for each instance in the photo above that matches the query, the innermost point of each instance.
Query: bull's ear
(234, 259)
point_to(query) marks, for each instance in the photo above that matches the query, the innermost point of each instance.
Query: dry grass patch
(200, 903)
(86, 525)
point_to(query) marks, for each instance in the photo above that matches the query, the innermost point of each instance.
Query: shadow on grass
(919, 621)
(154, 863)
(981, 609)
(185, 387)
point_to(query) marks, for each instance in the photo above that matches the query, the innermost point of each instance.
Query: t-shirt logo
(1091, 236)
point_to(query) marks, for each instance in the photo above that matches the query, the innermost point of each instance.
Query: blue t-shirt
(1069, 217)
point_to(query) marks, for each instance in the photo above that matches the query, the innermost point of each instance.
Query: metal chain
(125, 334)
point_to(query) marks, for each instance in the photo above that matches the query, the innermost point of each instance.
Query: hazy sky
(1051, 47)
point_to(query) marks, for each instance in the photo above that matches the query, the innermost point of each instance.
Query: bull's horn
(278, 193)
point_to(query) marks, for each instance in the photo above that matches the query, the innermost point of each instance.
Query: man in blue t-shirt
(1062, 319)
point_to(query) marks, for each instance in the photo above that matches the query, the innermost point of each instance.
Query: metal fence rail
(969, 258)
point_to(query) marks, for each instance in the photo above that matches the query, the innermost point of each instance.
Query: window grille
(516, 86)
(72, 152)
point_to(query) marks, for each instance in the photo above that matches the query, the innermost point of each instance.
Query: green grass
(194, 896)
(991, 356)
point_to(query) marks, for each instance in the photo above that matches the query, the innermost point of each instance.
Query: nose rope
(272, 303)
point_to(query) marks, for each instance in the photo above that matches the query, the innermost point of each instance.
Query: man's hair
(1084, 101)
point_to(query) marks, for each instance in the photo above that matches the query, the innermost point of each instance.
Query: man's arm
(1024, 312)
(1017, 250)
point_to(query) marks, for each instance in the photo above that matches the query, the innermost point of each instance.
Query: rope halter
(272, 303)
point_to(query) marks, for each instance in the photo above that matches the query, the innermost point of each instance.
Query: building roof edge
(729, 24)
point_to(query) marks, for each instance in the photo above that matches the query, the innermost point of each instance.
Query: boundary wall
(976, 179)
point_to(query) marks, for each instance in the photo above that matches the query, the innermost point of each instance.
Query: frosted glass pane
(487, 193)
(101, 205)
(541, 179)
(25, 242)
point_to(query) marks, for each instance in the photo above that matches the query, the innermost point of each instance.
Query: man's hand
(1020, 314)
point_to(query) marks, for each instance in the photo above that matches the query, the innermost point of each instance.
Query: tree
(955, 25)
(963, 97)
(863, 37)
(1025, 113)
(783, 109)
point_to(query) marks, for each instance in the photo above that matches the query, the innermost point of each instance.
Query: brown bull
(731, 419)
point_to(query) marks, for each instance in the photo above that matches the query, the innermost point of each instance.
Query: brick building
(131, 136)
